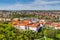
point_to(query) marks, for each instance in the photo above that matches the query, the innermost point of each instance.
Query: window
(25, 27)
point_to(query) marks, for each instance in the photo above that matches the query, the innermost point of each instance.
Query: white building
(27, 25)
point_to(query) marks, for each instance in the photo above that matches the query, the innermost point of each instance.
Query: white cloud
(46, 2)
(37, 5)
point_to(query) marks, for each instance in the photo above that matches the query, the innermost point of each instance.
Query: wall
(34, 29)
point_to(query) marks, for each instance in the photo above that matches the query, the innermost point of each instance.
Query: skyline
(29, 4)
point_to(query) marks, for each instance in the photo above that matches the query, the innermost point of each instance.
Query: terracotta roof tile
(26, 23)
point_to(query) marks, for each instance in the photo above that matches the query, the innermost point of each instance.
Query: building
(5, 19)
(27, 25)
(55, 25)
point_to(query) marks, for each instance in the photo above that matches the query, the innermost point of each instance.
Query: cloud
(46, 2)
(36, 5)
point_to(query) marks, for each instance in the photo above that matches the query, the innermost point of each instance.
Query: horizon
(29, 4)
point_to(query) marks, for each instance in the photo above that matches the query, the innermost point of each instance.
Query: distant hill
(31, 10)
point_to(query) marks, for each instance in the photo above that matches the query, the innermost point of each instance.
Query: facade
(27, 25)
(55, 25)
(5, 19)
(34, 25)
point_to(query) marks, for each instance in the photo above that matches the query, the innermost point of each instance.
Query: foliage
(7, 32)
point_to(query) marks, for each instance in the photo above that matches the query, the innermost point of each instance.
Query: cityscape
(33, 24)
(29, 19)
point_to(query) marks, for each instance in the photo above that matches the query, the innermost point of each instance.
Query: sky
(29, 4)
